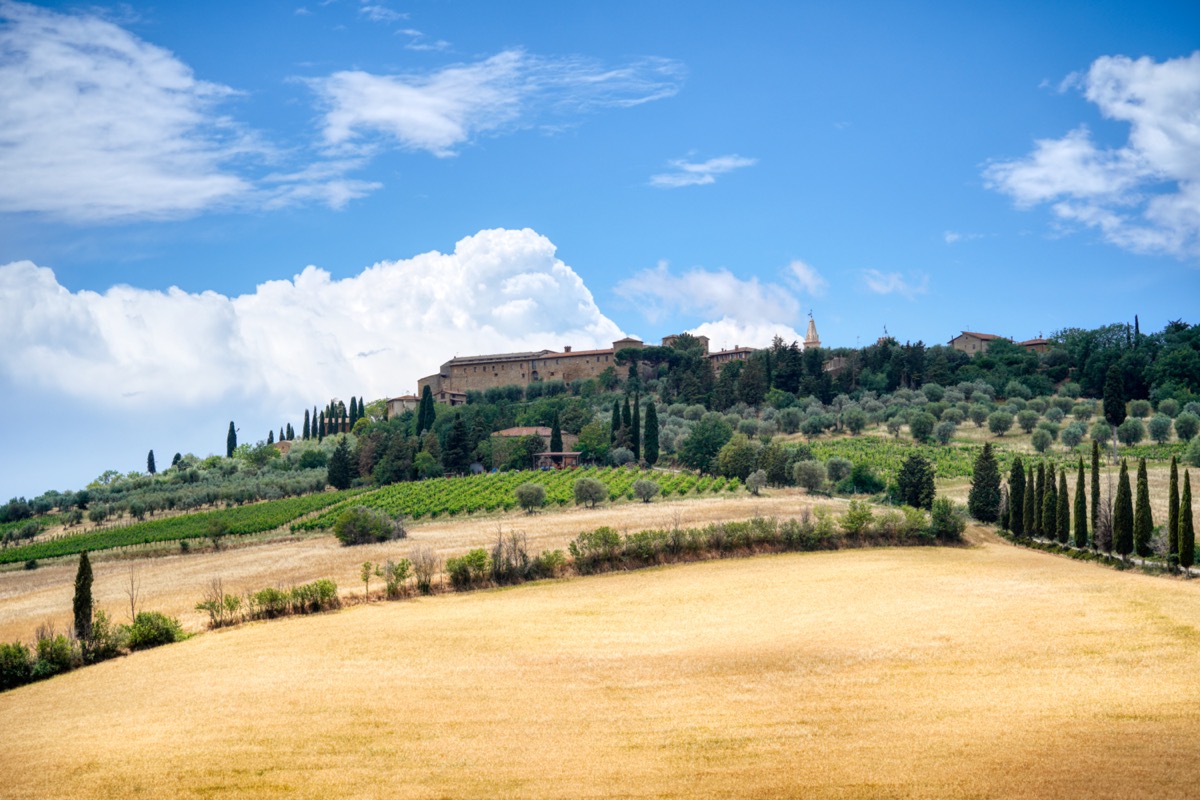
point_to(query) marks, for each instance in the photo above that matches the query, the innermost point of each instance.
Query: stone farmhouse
(970, 342)
(476, 373)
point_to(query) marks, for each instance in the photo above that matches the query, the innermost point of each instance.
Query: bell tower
(811, 339)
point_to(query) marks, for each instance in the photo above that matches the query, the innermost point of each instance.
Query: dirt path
(175, 583)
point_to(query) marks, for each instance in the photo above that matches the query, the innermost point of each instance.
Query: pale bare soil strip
(174, 583)
(988, 671)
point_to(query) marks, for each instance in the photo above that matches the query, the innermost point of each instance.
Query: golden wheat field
(983, 671)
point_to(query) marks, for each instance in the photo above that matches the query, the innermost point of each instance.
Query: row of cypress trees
(1039, 506)
(335, 418)
(627, 429)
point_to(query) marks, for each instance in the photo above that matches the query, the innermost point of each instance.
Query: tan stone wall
(480, 376)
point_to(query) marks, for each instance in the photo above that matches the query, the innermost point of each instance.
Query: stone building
(971, 343)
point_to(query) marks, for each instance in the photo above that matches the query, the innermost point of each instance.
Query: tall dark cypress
(1095, 484)
(230, 440)
(271, 437)
(1050, 506)
(306, 430)
(82, 604)
(1123, 513)
(1030, 506)
(321, 427)
(1039, 496)
(1063, 525)
(651, 443)
(291, 432)
(636, 433)
(616, 423)
(626, 416)
(1143, 519)
(556, 442)
(1081, 527)
(426, 413)
(1016, 495)
(983, 501)
(353, 412)
(1173, 515)
(152, 469)
(1187, 534)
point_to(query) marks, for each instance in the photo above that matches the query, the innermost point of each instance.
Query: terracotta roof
(498, 357)
(987, 337)
(1033, 342)
(404, 397)
(606, 351)
(540, 431)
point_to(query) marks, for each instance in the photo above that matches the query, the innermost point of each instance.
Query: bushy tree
(920, 425)
(914, 482)
(645, 490)
(983, 501)
(362, 525)
(589, 492)
(530, 496)
(1186, 426)
(809, 475)
(1123, 513)
(1131, 431)
(708, 436)
(738, 457)
(945, 521)
(755, 481)
(1041, 440)
(1143, 519)
(999, 422)
(1016, 494)
(1027, 418)
(1160, 428)
(944, 431)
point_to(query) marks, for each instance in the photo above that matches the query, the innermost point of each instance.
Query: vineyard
(495, 492)
(241, 520)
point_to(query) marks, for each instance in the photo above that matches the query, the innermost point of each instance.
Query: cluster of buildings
(970, 342)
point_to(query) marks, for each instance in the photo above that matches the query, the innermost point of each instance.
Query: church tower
(811, 339)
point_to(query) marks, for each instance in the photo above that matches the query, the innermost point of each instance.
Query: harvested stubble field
(174, 583)
(985, 671)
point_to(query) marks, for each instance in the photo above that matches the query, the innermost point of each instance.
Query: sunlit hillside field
(986, 671)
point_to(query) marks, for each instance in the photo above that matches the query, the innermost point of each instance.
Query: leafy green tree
(1186, 426)
(651, 444)
(82, 604)
(589, 492)
(230, 441)
(1131, 431)
(1027, 418)
(271, 437)
(944, 431)
(1095, 484)
(1081, 527)
(1016, 494)
(339, 471)
(556, 440)
(645, 490)
(1187, 533)
(738, 457)
(914, 482)
(1123, 514)
(999, 422)
(1160, 428)
(1063, 524)
(530, 496)
(755, 481)
(1050, 506)
(809, 475)
(594, 442)
(1041, 440)
(1173, 515)
(1114, 402)
(707, 437)
(920, 425)
(1143, 519)
(983, 501)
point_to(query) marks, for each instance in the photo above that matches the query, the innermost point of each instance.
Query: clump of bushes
(154, 629)
(362, 525)
(229, 609)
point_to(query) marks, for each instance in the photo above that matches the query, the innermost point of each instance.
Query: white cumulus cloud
(726, 333)
(293, 341)
(1143, 195)
(701, 173)
(439, 111)
(895, 283)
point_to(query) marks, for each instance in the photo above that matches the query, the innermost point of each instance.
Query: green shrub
(838, 469)
(595, 550)
(469, 571)
(857, 518)
(1041, 440)
(530, 496)
(946, 521)
(395, 577)
(108, 640)
(589, 491)
(510, 559)
(308, 598)
(16, 665)
(362, 525)
(55, 653)
(270, 602)
(1187, 425)
(153, 629)
(549, 564)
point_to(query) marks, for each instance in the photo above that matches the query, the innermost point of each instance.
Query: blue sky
(235, 211)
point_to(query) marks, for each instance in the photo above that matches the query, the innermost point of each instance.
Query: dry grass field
(985, 671)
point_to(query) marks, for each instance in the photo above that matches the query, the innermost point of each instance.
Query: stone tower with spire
(811, 339)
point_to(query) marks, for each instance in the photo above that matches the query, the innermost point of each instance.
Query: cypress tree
(83, 600)
(271, 437)
(1039, 496)
(1123, 514)
(321, 427)
(1064, 510)
(152, 469)
(1187, 534)
(291, 432)
(1114, 401)
(1173, 516)
(426, 414)
(315, 432)
(626, 416)
(1016, 495)
(651, 444)
(1050, 506)
(1081, 528)
(305, 430)
(637, 429)
(1143, 519)
(339, 473)
(915, 482)
(230, 441)
(1095, 483)
(457, 457)
(556, 442)
(616, 423)
(983, 501)
(178, 457)
(1029, 513)
(353, 412)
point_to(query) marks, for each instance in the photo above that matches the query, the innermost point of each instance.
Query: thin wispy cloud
(1143, 195)
(895, 283)
(381, 13)
(954, 237)
(441, 110)
(702, 173)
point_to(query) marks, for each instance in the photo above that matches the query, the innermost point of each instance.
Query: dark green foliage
(153, 629)
(1143, 519)
(921, 426)
(1039, 496)
(635, 433)
(983, 502)
(456, 458)
(362, 525)
(645, 490)
(556, 440)
(530, 496)
(1029, 512)
(55, 654)
(589, 491)
(150, 467)
(915, 482)
(426, 413)
(650, 447)
(708, 436)
(16, 665)
(1187, 533)
(469, 571)
(176, 459)
(862, 480)
(1114, 396)
(82, 604)
(230, 440)
(1063, 526)
(1123, 514)
(1173, 513)
(270, 437)
(1016, 495)
(615, 428)
(340, 467)
(946, 522)
(1095, 479)
(1050, 506)
(1081, 526)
